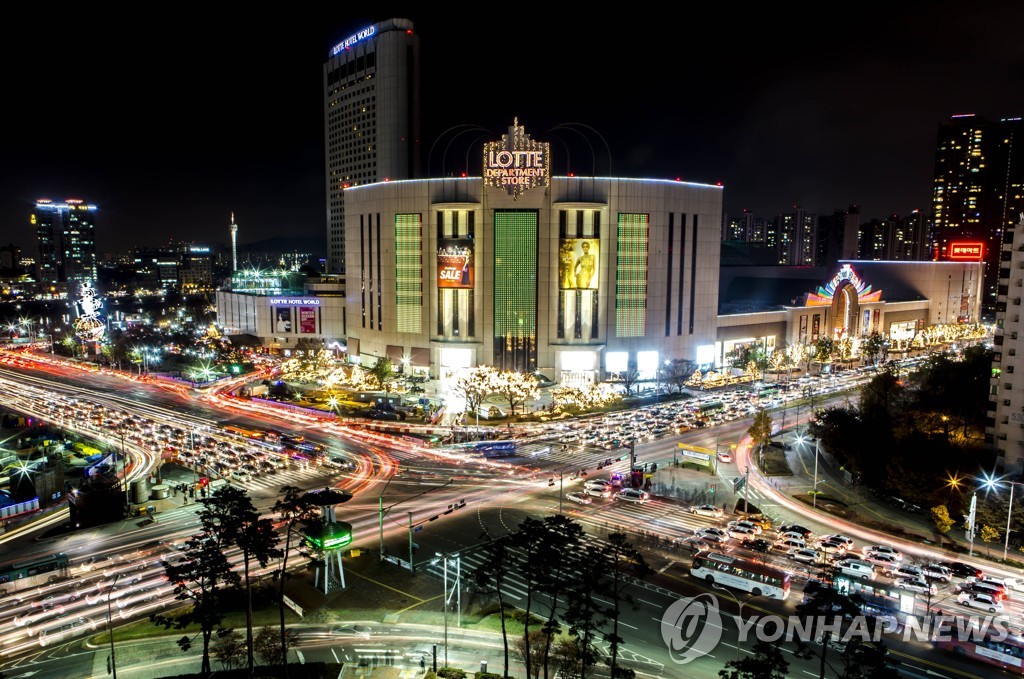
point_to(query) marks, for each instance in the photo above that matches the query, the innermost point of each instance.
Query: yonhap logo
(691, 627)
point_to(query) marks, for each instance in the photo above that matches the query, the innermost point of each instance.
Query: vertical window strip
(693, 271)
(362, 266)
(408, 272)
(369, 256)
(515, 273)
(631, 275)
(668, 270)
(682, 272)
(380, 313)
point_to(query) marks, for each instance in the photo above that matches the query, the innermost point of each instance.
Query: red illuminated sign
(966, 251)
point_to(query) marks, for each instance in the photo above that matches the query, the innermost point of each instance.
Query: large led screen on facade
(455, 263)
(578, 263)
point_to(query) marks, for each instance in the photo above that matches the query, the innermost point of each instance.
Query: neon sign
(969, 252)
(517, 163)
(845, 275)
(294, 301)
(88, 325)
(358, 36)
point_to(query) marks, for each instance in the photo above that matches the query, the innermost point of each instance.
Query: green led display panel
(631, 275)
(409, 272)
(515, 272)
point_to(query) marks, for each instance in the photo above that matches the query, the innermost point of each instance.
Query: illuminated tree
(874, 346)
(676, 374)
(824, 350)
(476, 384)
(760, 430)
(942, 520)
(382, 370)
(516, 388)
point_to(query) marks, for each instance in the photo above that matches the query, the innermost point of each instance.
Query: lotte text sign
(517, 163)
(966, 252)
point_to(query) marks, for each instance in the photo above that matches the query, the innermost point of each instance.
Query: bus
(243, 432)
(32, 572)
(711, 407)
(731, 571)
(1005, 651)
(495, 449)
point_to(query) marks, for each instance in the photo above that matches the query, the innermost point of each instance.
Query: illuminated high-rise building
(371, 117)
(66, 233)
(978, 193)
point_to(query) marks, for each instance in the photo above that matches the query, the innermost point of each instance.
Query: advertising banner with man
(455, 263)
(282, 319)
(577, 263)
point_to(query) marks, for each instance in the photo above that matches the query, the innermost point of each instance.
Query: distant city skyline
(228, 115)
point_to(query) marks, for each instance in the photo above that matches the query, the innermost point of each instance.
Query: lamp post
(110, 627)
(814, 491)
(991, 483)
(739, 613)
(456, 590)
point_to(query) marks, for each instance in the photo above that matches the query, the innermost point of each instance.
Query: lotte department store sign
(517, 163)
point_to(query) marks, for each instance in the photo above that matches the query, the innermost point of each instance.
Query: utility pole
(746, 491)
(970, 521)
(110, 628)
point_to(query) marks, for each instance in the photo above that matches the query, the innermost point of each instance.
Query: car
(712, 530)
(962, 569)
(904, 571)
(633, 495)
(725, 456)
(579, 498)
(883, 561)
(758, 545)
(760, 520)
(916, 585)
(842, 539)
(804, 555)
(597, 491)
(746, 524)
(832, 549)
(806, 533)
(740, 532)
(974, 587)
(790, 535)
(786, 545)
(883, 549)
(596, 483)
(1004, 591)
(718, 541)
(694, 543)
(707, 510)
(934, 571)
(363, 631)
(982, 601)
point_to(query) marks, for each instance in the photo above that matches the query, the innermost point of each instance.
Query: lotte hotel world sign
(516, 163)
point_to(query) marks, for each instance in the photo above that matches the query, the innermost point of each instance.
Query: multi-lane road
(498, 494)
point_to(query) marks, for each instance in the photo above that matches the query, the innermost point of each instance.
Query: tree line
(209, 585)
(564, 578)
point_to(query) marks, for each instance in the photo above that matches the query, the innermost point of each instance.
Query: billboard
(282, 319)
(966, 252)
(455, 263)
(577, 263)
(307, 320)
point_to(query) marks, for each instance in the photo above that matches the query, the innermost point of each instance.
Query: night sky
(168, 124)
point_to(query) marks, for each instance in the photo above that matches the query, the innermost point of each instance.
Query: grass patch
(827, 504)
(773, 462)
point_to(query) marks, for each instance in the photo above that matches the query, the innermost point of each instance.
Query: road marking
(381, 584)
(665, 567)
(649, 603)
(302, 658)
(335, 656)
(626, 625)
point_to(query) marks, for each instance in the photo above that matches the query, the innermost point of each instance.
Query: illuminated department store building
(572, 277)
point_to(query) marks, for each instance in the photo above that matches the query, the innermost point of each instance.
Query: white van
(61, 632)
(857, 568)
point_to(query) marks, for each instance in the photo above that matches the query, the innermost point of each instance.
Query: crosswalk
(293, 476)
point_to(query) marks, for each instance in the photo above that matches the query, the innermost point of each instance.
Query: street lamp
(991, 483)
(739, 613)
(456, 590)
(110, 627)
(814, 489)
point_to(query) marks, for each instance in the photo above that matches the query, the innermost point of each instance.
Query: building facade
(282, 311)
(371, 87)
(1005, 428)
(853, 300)
(978, 192)
(66, 233)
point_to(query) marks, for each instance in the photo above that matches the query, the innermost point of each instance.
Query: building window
(515, 289)
(408, 272)
(631, 275)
